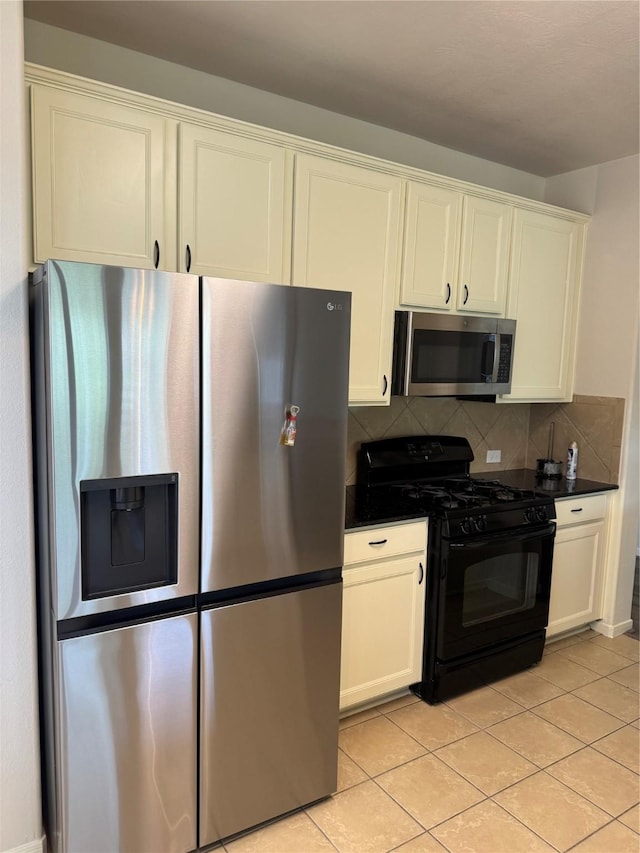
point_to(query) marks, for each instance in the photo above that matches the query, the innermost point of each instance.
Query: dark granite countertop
(363, 509)
(525, 478)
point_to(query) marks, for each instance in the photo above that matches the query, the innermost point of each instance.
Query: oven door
(493, 589)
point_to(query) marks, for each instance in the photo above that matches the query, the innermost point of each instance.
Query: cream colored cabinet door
(100, 192)
(544, 292)
(382, 615)
(346, 237)
(456, 251)
(431, 247)
(235, 200)
(577, 575)
(484, 256)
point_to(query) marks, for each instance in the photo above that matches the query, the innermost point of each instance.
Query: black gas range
(429, 475)
(490, 550)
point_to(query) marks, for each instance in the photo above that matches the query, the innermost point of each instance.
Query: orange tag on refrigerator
(290, 427)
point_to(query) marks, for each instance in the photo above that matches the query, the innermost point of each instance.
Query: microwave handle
(490, 358)
(496, 358)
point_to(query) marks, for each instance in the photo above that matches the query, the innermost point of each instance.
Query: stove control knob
(466, 525)
(480, 523)
(530, 515)
(541, 513)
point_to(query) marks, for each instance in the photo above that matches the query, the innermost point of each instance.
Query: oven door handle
(511, 536)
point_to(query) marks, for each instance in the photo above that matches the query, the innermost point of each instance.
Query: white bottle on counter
(572, 461)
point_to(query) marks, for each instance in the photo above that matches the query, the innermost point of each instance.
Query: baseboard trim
(37, 846)
(611, 631)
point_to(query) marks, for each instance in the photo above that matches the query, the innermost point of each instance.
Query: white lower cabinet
(382, 612)
(576, 580)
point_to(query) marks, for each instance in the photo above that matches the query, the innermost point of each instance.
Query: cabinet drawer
(579, 510)
(382, 542)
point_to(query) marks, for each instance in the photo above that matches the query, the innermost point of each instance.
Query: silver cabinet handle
(378, 542)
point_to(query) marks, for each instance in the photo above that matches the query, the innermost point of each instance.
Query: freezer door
(127, 739)
(269, 709)
(269, 509)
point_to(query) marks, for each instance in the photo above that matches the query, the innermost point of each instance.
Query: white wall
(20, 813)
(98, 60)
(607, 357)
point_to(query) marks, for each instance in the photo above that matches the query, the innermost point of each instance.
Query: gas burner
(443, 487)
(497, 492)
(457, 501)
(460, 485)
(441, 496)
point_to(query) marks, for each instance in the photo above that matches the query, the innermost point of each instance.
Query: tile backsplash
(519, 430)
(594, 423)
(487, 426)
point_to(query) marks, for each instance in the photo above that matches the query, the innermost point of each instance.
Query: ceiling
(546, 86)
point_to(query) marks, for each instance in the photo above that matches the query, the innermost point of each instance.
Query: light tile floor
(546, 760)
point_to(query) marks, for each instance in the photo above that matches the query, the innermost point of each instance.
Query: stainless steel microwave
(438, 355)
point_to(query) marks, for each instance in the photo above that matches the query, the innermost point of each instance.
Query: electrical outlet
(494, 455)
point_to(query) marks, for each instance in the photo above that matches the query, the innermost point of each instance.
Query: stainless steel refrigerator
(189, 439)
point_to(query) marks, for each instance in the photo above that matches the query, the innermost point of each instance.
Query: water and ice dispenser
(128, 534)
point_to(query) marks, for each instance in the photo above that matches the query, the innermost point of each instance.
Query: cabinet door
(544, 289)
(431, 246)
(484, 256)
(346, 235)
(98, 181)
(576, 580)
(235, 206)
(382, 628)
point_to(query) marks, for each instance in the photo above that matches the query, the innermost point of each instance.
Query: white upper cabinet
(431, 246)
(456, 251)
(346, 237)
(484, 255)
(99, 191)
(234, 206)
(544, 291)
(120, 178)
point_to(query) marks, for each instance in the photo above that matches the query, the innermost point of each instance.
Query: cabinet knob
(466, 295)
(188, 258)
(156, 254)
